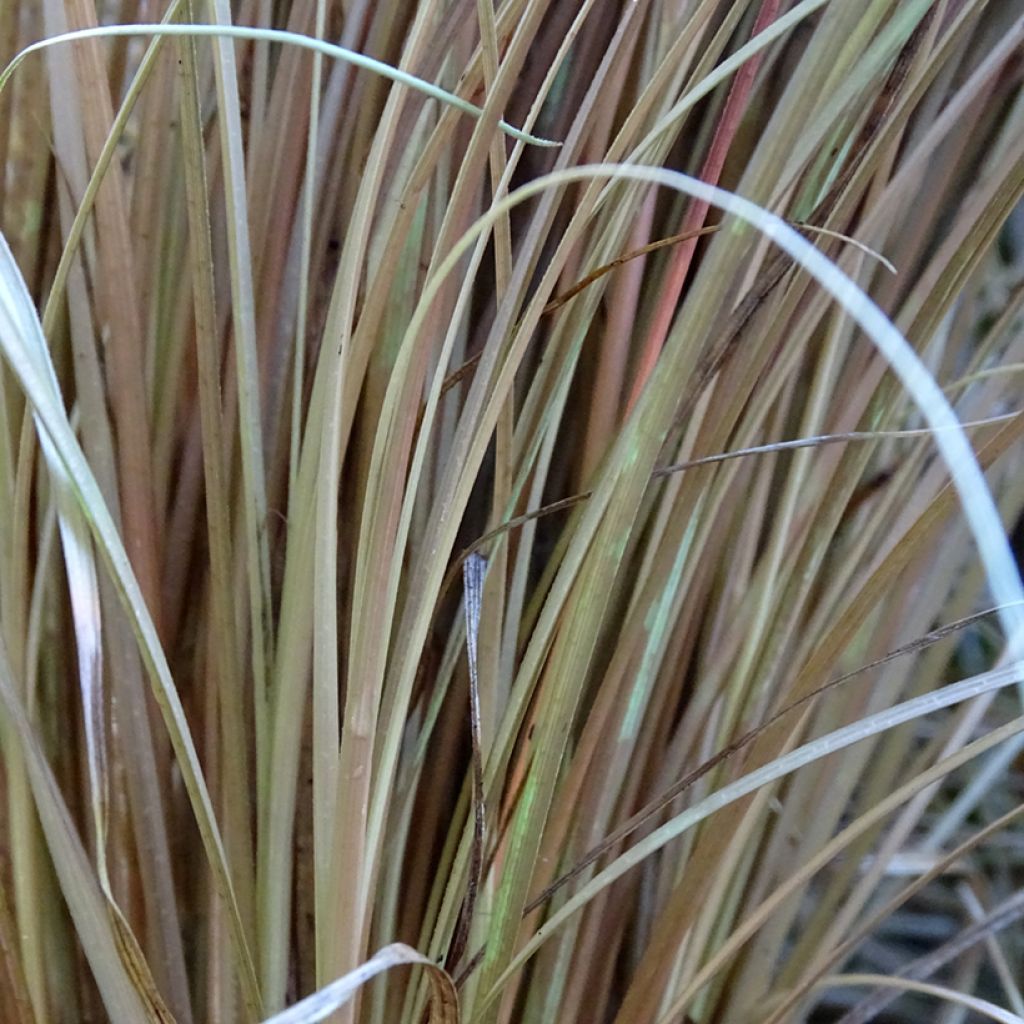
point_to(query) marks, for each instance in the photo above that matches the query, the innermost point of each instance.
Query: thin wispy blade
(661, 472)
(474, 571)
(225, 31)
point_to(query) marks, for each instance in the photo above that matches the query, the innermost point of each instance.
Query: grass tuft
(529, 494)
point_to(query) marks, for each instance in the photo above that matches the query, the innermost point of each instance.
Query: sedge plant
(511, 511)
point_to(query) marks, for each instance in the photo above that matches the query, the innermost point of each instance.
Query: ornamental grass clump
(509, 512)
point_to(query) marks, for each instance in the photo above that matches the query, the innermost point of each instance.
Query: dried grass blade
(474, 571)
(444, 1002)
(275, 36)
(24, 347)
(120, 991)
(808, 753)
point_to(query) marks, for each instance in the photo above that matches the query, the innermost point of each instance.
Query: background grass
(415, 550)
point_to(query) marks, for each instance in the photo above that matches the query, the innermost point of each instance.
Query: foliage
(485, 509)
